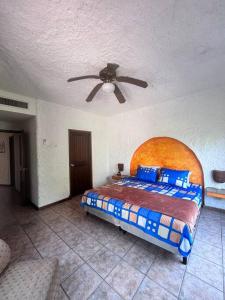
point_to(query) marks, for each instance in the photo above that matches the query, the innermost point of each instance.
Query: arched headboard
(169, 153)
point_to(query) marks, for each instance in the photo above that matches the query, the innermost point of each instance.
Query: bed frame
(163, 152)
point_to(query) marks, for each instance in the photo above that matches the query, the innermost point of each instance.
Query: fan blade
(83, 77)
(119, 95)
(131, 80)
(94, 92)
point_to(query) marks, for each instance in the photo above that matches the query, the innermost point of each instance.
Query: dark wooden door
(80, 161)
(12, 160)
(24, 177)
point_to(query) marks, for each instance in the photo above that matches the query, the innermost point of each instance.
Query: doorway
(18, 156)
(13, 162)
(80, 161)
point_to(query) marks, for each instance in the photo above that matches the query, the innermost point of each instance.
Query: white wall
(53, 122)
(197, 120)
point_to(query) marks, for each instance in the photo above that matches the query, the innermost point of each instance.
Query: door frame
(90, 136)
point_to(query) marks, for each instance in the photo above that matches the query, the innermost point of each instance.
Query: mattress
(163, 227)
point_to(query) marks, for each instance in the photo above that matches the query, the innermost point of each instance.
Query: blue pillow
(175, 177)
(149, 174)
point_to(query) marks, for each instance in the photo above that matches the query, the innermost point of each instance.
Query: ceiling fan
(108, 84)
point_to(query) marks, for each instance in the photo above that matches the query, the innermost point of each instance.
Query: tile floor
(97, 261)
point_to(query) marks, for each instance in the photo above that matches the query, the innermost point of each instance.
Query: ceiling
(178, 47)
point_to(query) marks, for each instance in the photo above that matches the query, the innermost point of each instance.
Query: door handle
(78, 164)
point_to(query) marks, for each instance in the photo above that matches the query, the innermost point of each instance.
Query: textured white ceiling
(177, 46)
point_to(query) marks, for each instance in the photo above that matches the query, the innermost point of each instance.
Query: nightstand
(215, 193)
(215, 198)
(118, 177)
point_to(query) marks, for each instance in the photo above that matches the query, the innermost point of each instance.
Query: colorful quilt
(192, 193)
(165, 228)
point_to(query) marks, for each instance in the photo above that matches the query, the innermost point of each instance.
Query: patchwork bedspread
(161, 226)
(192, 193)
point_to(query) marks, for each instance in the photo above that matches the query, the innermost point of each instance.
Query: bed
(160, 213)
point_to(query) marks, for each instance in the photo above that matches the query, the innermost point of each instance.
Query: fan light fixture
(108, 87)
(109, 82)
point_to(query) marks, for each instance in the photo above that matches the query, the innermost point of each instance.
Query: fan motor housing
(107, 75)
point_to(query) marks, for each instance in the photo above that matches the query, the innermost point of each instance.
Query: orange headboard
(169, 153)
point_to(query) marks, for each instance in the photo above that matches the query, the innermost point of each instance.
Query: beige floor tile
(48, 215)
(206, 271)
(209, 237)
(62, 295)
(140, 258)
(87, 248)
(104, 292)
(210, 226)
(64, 211)
(22, 251)
(153, 249)
(50, 249)
(58, 224)
(223, 240)
(151, 290)
(125, 280)
(15, 241)
(207, 251)
(121, 244)
(95, 230)
(89, 224)
(68, 263)
(210, 214)
(43, 236)
(28, 253)
(169, 260)
(31, 228)
(10, 230)
(25, 216)
(74, 203)
(223, 221)
(73, 236)
(169, 278)
(81, 222)
(223, 231)
(105, 236)
(104, 261)
(82, 283)
(194, 288)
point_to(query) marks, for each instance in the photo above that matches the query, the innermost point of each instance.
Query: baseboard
(49, 205)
